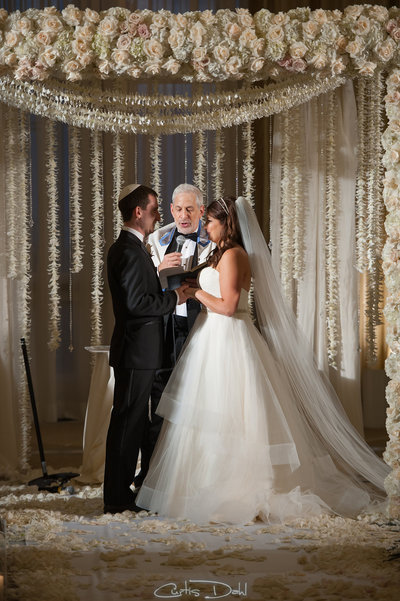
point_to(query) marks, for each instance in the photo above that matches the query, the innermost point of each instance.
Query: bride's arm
(230, 270)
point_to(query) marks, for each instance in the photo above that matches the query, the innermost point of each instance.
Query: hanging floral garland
(53, 230)
(24, 276)
(199, 176)
(331, 250)
(287, 211)
(75, 195)
(248, 162)
(154, 114)
(117, 171)
(391, 267)
(156, 168)
(11, 160)
(96, 160)
(218, 164)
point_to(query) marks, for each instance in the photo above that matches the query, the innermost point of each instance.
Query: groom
(187, 209)
(136, 349)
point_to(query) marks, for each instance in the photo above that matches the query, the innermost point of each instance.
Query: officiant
(167, 249)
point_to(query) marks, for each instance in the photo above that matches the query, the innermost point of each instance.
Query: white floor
(60, 547)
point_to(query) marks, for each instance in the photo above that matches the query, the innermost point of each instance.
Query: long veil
(312, 392)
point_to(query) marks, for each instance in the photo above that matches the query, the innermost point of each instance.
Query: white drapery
(309, 292)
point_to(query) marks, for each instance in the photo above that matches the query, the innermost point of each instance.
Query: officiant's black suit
(136, 351)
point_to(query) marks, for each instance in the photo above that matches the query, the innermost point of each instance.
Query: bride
(251, 428)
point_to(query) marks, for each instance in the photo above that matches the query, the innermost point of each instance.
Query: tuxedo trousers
(177, 330)
(126, 433)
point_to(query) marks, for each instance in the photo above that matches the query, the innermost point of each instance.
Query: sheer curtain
(310, 291)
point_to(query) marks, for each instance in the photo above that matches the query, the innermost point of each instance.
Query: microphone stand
(49, 482)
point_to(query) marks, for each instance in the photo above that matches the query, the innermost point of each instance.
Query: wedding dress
(239, 441)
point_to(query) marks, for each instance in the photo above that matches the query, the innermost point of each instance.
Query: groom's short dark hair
(139, 197)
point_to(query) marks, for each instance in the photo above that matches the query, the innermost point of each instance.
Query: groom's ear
(201, 211)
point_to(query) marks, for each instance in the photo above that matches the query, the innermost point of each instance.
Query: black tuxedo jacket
(138, 303)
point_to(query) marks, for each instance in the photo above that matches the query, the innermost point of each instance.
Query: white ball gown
(234, 445)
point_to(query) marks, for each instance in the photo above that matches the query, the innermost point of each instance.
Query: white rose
(275, 33)
(257, 64)
(71, 67)
(363, 26)
(104, 66)
(85, 58)
(52, 24)
(366, 67)
(319, 60)
(248, 36)
(10, 59)
(120, 57)
(310, 29)
(3, 15)
(244, 17)
(176, 39)
(320, 16)
(257, 46)
(124, 42)
(394, 78)
(355, 47)
(153, 68)
(159, 21)
(197, 33)
(233, 30)
(341, 43)
(386, 50)
(221, 53)
(353, 11)
(38, 73)
(180, 20)
(49, 56)
(24, 25)
(12, 38)
(43, 37)
(280, 19)
(86, 32)
(108, 27)
(378, 13)
(207, 17)
(172, 66)
(72, 15)
(92, 16)
(337, 66)
(134, 72)
(297, 50)
(153, 48)
(80, 46)
(50, 10)
(233, 65)
(199, 53)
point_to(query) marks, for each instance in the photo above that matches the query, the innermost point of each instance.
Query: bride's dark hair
(224, 210)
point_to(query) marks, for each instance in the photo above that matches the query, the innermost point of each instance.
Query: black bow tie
(192, 236)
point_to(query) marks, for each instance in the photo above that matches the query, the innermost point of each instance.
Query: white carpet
(60, 547)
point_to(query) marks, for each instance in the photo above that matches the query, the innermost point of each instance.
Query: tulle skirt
(234, 446)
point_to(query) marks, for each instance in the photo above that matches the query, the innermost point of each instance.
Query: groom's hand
(170, 260)
(181, 292)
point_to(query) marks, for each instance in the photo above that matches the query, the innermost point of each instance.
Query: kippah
(127, 190)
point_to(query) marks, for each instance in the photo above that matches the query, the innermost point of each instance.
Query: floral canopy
(263, 64)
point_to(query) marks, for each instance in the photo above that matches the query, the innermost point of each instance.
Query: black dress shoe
(121, 508)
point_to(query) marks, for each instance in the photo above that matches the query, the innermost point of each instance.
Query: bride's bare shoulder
(236, 254)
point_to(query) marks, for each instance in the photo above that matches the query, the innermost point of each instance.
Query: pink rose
(143, 30)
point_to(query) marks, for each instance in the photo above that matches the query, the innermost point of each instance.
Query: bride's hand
(191, 292)
(192, 282)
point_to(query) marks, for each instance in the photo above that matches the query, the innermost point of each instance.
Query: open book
(172, 277)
